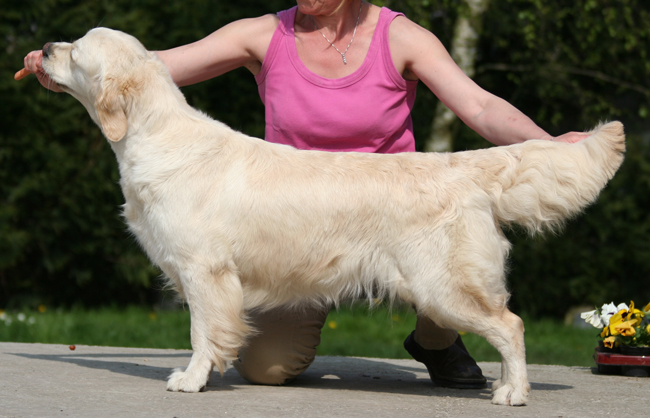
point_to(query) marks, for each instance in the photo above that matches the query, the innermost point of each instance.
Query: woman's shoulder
(260, 25)
(258, 29)
(409, 42)
(407, 34)
(403, 26)
(253, 37)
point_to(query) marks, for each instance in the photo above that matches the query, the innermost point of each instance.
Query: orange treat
(21, 74)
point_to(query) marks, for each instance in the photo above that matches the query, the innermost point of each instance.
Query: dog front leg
(218, 327)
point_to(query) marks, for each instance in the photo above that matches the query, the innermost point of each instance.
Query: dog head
(103, 70)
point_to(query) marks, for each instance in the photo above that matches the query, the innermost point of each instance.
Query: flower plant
(621, 325)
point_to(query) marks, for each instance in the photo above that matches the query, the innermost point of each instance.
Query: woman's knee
(284, 347)
(270, 374)
(431, 336)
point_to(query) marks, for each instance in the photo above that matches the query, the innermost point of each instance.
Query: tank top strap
(284, 29)
(386, 17)
(287, 19)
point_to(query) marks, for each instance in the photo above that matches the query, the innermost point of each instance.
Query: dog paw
(508, 395)
(181, 381)
(497, 384)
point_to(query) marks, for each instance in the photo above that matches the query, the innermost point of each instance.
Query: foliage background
(568, 65)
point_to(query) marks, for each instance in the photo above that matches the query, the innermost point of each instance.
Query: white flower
(609, 309)
(20, 317)
(592, 318)
(606, 312)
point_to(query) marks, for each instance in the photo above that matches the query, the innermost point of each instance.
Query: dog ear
(110, 106)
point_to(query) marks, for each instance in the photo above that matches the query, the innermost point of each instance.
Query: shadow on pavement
(327, 373)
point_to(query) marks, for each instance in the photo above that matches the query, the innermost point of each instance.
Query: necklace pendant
(345, 61)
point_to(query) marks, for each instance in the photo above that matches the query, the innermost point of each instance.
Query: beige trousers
(286, 343)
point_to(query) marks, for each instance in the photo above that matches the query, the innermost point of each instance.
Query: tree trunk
(463, 51)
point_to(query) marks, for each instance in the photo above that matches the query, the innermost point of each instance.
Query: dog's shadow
(138, 365)
(330, 373)
(377, 375)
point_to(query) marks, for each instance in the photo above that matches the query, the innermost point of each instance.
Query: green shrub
(566, 64)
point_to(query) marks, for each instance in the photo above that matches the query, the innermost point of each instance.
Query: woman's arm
(417, 53)
(242, 43)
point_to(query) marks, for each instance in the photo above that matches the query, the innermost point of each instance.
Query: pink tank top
(366, 111)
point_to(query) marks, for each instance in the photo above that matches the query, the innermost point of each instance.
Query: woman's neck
(336, 25)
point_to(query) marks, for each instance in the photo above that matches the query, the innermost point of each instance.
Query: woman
(340, 75)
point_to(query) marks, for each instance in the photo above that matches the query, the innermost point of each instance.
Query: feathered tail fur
(540, 184)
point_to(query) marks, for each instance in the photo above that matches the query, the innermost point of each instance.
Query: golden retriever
(237, 223)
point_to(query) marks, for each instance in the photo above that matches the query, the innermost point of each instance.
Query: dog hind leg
(506, 334)
(504, 331)
(471, 296)
(218, 327)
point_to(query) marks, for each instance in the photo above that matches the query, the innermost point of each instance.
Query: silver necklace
(353, 33)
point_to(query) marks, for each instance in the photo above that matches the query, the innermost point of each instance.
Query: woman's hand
(34, 65)
(570, 137)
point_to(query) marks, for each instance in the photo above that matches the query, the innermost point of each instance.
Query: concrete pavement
(39, 380)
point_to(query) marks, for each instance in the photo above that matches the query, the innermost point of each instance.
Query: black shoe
(452, 367)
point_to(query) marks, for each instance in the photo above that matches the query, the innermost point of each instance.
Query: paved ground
(38, 380)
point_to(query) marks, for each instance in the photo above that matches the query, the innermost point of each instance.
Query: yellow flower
(42, 308)
(647, 308)
(609, 342)
(615, 320)
(332, 324)
(633, 311)
(626, 328)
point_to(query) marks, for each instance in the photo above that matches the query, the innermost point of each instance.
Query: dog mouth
(52, 81)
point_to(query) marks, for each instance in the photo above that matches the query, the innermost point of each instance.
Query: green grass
(129, 327)
(378, 333)
(350, 331)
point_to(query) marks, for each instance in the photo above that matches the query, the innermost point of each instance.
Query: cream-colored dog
(238, 223)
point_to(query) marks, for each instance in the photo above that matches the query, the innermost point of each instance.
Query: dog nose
(47, 49)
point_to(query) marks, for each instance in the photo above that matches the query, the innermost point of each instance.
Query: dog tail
(544, 183)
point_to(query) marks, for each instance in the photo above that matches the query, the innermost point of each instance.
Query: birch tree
(463, 50)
